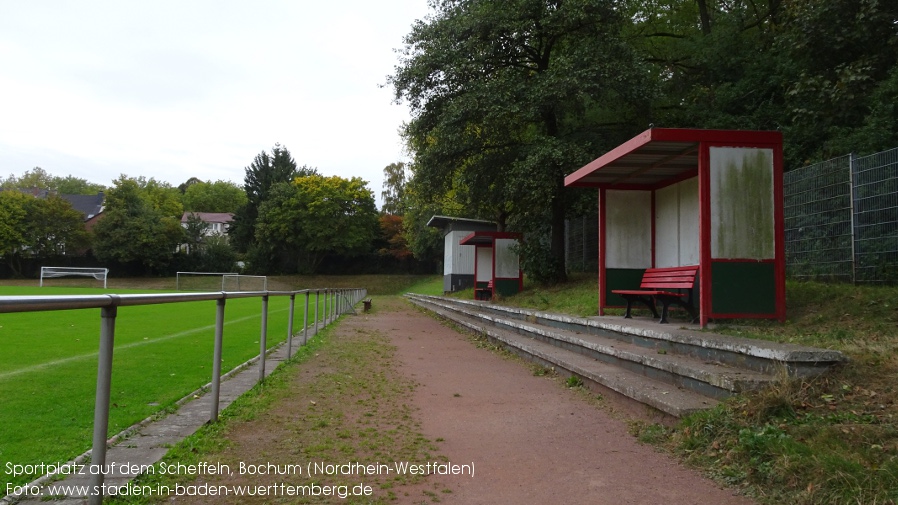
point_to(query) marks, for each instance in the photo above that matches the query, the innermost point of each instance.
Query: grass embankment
(829, 440)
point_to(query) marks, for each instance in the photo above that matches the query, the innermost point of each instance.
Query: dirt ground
(517, 438)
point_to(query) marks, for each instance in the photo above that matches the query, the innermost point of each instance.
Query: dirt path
(530, 439)
(397, 386)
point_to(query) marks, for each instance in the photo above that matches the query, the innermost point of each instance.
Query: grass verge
(339, 400)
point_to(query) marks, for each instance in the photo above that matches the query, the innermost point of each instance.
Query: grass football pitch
(48, 366)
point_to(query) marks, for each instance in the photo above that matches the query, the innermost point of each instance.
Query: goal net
(99, 274)
(217, 281)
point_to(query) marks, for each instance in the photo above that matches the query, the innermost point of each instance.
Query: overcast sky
(187, 88)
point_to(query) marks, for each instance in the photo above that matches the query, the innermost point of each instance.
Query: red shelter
(673, 197)
(496, 267)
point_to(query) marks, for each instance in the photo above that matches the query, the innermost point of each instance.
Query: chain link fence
(581, 236)
(841, 222)
(841, 219)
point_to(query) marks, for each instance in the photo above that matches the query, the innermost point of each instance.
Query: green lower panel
(743, 288)
(507, 287)
(621, 278)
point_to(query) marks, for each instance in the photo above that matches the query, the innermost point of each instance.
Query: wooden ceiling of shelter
(649, 165)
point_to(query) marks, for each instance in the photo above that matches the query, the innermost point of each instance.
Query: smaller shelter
(673, 197)
(458, 260)
(497, 269)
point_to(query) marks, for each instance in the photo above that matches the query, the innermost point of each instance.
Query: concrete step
(661, 396)
(709, 378)
(762, 356)
(676, 371)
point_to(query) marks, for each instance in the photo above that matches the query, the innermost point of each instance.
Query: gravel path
(517, 438)
(529, 439)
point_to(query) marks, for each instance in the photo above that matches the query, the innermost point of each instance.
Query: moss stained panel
(742, 203)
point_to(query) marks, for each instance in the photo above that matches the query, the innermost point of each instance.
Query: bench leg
(648, 301)
(666, 303)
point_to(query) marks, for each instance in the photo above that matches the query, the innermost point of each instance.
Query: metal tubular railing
(109, 304)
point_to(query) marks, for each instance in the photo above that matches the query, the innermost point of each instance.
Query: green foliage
(38, 178)
(54, 228)
(262, 175)
(13, 205)
(218, 196)
(141, 225)
(42, 227)
(507, 98)
(303, 221)
(820, 71)
(393, 193)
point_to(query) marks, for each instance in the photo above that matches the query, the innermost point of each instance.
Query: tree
(305, 220)
(393, 193)
(817, 70)
(218, 196)
(71, 185)
(392, 237)
(38, 227)
(38, 178)
(134, 230)
(507, 98)
(264, 173)
(13, 210)
(194, 233)
(54, 228)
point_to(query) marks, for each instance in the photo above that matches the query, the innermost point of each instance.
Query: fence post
(852, 186)
(317, 295)
(290, 326)
(101, 407)
(263, 337)
(305, 322)
(216, 356)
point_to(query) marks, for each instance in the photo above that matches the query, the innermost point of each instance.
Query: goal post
(99, 274)
(214, 281)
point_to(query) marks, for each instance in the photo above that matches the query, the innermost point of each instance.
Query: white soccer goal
(99, 274)
(214, 281)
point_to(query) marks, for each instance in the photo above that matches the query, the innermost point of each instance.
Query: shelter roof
(488, 237)
(660, 156)
(449, 223)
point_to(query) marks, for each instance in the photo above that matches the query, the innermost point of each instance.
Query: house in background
(90, 206)
(217, 223)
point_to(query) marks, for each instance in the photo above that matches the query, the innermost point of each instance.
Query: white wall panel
(457, 259)
(484, 264)
(689, 223)
(628, 222)
(507, 263)
(742, 207)
(667, 227)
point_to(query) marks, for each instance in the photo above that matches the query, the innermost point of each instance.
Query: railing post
(317, 295)
(327, 314)
(290, 326)
(101, 406)
(852, 197)
(263, 337)
(216, 356)
(305, 322)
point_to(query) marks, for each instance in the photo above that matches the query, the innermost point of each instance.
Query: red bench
(484, 293)
(658, 284)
